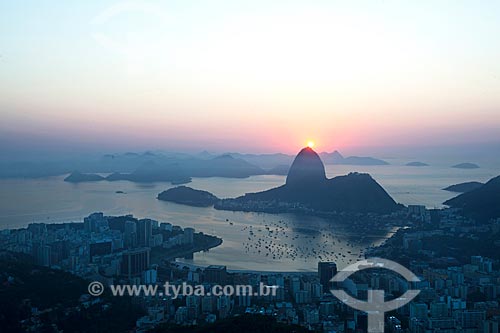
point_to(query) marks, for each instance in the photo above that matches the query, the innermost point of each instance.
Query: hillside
(481, 203)
(463, 187)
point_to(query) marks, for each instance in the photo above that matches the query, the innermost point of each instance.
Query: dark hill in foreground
(59, 297)
(482, 203)
(307, 187)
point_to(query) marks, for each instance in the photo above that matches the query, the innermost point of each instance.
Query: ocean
(251, 241)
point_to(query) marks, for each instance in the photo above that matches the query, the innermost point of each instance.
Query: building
(417, 210)
(149, 276)
(207, 304)
(311, 316)
(130, 234)
(470, 318)
(134, 262)
(491, 326)
(294, 285)
(302, 297)
(418, 311)
(100, 249)
(188, 236)
(93, 222)
(215, 274)
(439, 310)
(144, 232)
(166, 226)
(326, 271)
(42, 254)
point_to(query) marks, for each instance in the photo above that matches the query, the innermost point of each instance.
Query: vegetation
(40, 298)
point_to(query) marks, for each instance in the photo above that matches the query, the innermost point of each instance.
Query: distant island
(188, 196)
(482, 203)
(466, 166)
(176, 170)
(417, 164)
(463, 187)
(77, 177)
(308, 190)
(181, 181)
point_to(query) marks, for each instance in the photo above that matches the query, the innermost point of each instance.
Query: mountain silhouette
(481, 203)
(308, 187)
(306, 170)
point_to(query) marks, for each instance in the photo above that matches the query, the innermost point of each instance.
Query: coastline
(202, 242)
(243, 271)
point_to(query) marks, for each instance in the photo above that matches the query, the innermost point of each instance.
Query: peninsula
(307, 189)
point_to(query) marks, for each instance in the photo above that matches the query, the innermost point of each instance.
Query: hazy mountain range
(163, 166)
(159, 166)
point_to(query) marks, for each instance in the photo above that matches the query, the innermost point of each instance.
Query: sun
(310, 144)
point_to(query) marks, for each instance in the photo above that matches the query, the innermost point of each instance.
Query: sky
(250, 76)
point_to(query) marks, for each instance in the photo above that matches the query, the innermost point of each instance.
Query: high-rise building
(302, 297)
(42, 254)
(316, 290)
(37, 229)
(470, 318)
(418, 311)
(100, 249)
(326, 271)
(439, 310)
(294, 285)
(311, 316)
(188, 235)
(144, 232)
(181, 315)
(130, 234)
(94, 221)
(491, 326)
(207, 304)
(166, 226)
(149, 276)
(59, 250)
(215, 274)
(134, 262)
(326, 309)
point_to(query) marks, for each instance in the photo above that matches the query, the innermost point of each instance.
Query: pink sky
(259, 77)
